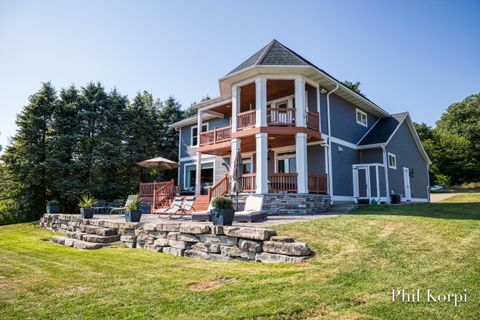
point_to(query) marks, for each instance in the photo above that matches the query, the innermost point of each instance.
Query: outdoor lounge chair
(202, 215)
(175, 208)
(131, 198)
(253, 211)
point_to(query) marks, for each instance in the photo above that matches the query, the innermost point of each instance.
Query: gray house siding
(186, 136)
(316, 159)
(342, 169)
(408, 156)
(343, 120)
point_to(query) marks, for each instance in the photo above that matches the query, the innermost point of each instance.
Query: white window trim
(388, 159)
(364, 114)
(198, 134)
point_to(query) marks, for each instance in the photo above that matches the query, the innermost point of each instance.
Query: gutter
(330, 175)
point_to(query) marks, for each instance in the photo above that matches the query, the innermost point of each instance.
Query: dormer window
(362, 118)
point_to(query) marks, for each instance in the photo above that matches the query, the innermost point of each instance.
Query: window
(247, 165)
(206, 176)
(361, 118)
(392, 161)
(286, 163)
(194, 133)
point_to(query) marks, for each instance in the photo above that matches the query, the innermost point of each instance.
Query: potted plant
(86, 204)
(53, 206)
(133, 212)
(222, 212)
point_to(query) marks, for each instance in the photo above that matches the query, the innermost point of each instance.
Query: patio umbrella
(237, 175)
(159, 163)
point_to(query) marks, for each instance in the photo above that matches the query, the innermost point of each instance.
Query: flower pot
(53, 208)
(395, 199)
(133, 215)
(222, 217)
(87, 213)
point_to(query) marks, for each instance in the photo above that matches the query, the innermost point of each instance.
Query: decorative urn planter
(133, 215)
(87, 213)
(222, 217)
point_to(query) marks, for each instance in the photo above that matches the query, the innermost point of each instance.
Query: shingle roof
(383, 129)
(274, 54)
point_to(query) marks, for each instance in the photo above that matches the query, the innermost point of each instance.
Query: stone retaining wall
(197, 240)
(295, 203)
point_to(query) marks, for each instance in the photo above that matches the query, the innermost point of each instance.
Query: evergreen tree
(140, 138)
(170, 112)
(63, 150)
(25, 159)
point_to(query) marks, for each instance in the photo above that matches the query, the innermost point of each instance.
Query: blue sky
(419, 56)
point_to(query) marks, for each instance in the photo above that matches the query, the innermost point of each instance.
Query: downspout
(330, 171)
(428, 183)
(385, 165)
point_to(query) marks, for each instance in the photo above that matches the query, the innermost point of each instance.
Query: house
(306, 139)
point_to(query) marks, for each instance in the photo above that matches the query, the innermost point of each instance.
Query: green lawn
(360, 258)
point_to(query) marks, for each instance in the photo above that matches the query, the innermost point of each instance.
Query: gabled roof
(273, 54)
(383, 129)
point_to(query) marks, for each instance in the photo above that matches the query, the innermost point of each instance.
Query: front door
(406, 183)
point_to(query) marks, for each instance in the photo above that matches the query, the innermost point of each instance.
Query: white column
(199, 126)
(302, 162)
(262, 163)
(235, 106)
(198, 175)
(236, 145)
(300, 106)
(261, 101)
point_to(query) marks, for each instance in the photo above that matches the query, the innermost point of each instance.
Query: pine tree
(25, 159)
(63, 150)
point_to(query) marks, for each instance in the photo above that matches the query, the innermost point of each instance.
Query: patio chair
(253, 211)
(202, 215)
(131, 198)
(175, 207)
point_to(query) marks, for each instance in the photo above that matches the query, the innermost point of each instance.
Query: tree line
(454, 144)
(83, 140)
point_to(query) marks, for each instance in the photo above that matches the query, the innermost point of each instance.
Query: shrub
(222, 203)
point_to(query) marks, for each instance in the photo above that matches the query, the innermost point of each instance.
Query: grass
(360, 258)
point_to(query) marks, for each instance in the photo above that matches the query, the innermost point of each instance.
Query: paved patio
(271, 221)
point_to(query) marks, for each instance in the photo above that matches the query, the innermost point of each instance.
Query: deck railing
(317, 183)
(281, 117)
(220, 189)
(246, 119)
(249, 182)
(163, 196)
(216, 135)
(146, 189)
(313, 121)
(282, 182)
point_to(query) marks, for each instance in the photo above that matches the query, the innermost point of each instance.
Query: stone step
(78, 244)
(101, 231)
(100, 239)
(77, 235)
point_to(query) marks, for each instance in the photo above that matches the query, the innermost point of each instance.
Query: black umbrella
(237, 175)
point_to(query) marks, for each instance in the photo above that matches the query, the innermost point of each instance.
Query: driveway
(437, 197)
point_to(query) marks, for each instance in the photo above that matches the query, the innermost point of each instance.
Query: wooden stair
(201, 203)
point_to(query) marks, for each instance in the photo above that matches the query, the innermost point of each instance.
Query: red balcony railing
(281, 117)
(246, 119)
(249, 182)
(282, 182)
(216, 135)
(317, 183)
(313, 121)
